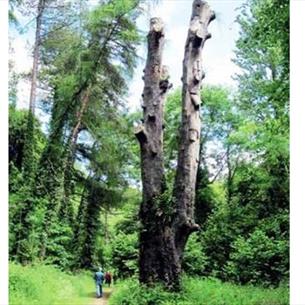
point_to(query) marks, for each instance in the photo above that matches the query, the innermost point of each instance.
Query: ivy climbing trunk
(28, 161)
(66, 208)
(167, 223)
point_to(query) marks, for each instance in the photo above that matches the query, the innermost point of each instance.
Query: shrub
(198, 291)
(125, 254)
(259, 259)
(130, 292)
(194, 259)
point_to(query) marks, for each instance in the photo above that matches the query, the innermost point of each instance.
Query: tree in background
(246, 237)
(87, 79)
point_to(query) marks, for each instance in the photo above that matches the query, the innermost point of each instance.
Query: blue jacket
(99, 277)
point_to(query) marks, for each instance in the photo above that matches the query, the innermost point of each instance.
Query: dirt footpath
(104, 300)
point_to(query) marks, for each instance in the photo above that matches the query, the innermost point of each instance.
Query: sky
(217, 54)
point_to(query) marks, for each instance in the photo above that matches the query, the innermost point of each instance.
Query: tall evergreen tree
(96, 69)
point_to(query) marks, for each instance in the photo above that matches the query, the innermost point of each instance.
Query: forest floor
(104, 300)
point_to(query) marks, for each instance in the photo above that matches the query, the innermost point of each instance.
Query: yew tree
(167, 213)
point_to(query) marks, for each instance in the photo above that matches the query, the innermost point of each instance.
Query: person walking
(99, 277)
(108, 278)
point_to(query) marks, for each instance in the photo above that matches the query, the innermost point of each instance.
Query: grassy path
(104, 300)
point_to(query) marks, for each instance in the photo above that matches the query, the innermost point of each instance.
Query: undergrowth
(46, 285)
(198, 291)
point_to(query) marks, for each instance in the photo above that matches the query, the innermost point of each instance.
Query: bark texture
(154, 249)
(66, 208)
(40, 9)
(188, 154)
(166, 224)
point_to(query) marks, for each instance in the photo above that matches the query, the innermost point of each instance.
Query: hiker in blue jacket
(99, 277)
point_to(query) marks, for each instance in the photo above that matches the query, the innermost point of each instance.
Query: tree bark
(188, 154)
(166, 224)
(66, 208)
(155, 252)
(28, 162)
(40, 9)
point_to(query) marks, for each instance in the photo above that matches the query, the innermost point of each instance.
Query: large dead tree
(167, 221)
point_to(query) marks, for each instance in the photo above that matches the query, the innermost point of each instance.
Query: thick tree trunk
(155, 250)
(167, 224)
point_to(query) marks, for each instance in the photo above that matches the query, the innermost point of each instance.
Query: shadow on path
(101, 301)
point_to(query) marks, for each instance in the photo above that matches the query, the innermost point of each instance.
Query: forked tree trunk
(166, 224)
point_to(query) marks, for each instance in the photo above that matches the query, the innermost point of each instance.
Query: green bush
(125, 254)
(46, 285)
(259, 259)
(129, 292)
(194, 259)
(197, 291)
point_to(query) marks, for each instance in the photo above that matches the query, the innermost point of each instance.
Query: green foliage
(88, 226)
(198, 291)
(164, 205)
(24, 156)
(130, 292)
(172, 116)
(41, 284)
(18, 120)
(216, 239)
(124, 251)
(194, 260)
(245, 237)
(87, 75)
(57, 244)
(127, 221)
(259, 259)
(237, 223)
(90, 160)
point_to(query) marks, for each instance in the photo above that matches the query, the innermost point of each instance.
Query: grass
(46, 285)
(198, 291)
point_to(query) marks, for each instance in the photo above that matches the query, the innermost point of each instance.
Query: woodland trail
(104, 300)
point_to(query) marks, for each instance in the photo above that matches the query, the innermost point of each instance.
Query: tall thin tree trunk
(80, 114)
(166, 225)
(28, 162)
(188, 155)
(23, 251)
(40, 9)
(106, 226)
(66, 209)
(230, 174)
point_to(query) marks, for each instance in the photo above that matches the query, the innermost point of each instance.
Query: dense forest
(83, 193)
